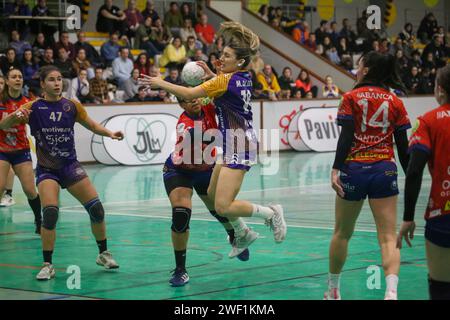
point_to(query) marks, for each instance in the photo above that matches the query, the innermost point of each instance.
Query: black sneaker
(179, 278)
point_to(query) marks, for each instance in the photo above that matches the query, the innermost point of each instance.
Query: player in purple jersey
(52, 121)
(232, 90)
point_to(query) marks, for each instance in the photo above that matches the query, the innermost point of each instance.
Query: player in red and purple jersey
(371, 117)
(232, 91)
(190, 167)
(14, 146)
(52, 121)
(430, 142)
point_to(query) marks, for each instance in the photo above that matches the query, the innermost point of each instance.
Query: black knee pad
(438, 290)
(50, 217)
(95, 210)
(180, 219)
(219, 218)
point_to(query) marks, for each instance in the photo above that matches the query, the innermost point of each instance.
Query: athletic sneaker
(47, 272)
(277, 223)
(244, 255)
(105, 259)
(242, 243)
(332, 294)
(179, 278)
(390, 295)
(7, 201)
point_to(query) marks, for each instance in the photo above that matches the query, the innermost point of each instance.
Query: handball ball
(192, 74)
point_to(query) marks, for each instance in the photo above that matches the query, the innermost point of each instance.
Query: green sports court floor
(138, 224)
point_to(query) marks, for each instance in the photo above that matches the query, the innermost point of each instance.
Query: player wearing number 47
(52, 122)
(231, 90)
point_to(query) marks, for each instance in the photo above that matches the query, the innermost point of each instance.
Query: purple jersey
(51, 124)
(232, 93)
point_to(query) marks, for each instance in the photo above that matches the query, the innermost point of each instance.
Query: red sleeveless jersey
(15, 138)
(377, 114)
(432, 135)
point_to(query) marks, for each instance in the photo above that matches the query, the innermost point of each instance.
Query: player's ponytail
(383, 70)
(443, 80)
(241, 39)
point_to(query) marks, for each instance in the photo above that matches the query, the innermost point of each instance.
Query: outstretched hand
(208, 72)
(118, 135)
(152, 82)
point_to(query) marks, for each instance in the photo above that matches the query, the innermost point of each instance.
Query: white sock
(262, 212)
(239, 226)
(391, 282)
(334, 281)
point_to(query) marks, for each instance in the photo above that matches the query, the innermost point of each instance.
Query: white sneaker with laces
(332, 294)
(106, 260)
(7, 201)
(47, 272)
(277, 223)
(242, 243)
(390, 295)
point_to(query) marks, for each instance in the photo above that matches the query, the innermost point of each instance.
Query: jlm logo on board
(146, 143)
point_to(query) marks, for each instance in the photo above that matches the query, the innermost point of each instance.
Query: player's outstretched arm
(15, 118)
(179, 91)
(97, 128)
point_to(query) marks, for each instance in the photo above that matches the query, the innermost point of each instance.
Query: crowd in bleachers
(166, 41)
(419, 53)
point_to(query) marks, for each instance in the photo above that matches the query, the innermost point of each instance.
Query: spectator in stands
(402, 62)
(303, 83)
(143, 39)
(64, 64)
(333, 33)
(375, 46)
(287, 83)
(79, 88)
(9, 61)
(191, 46)
(385, 46)
(110, 49)
(134, 19)
(407, 32)
(91, 54)
(429, 62)
(199, 56)
(269, 80)
(343, 49)
(275, 23)
(409, 47)
(173, 19)
(160, 35)
(81, 62)
(187, 31)
(174, 77)
(122, 67)
(325, 46)
(272, 13)
(150, 11)
(17, 8)
(321, 32)
(131, 85)
(213, 59)
(30, 70)
(361, 25)
(41, 10)
(143, 64)
(98, 88)
(330, 90)
(398, 45)
(186, 12)
(162, 97)
(300, 33)
(64, 42)
(263, 12)
(311, 42)
(347, 64)
(218, 46)
(333, 56)
(286, 24)
(428, 27)
(412, 80)
(174, 56)
(348, 34)
(110, 19)
(426, 83)
(140, 96)
(19, 45)
(205, 31)
(416, 61)
(258, 92)
(47, 59)
(40, 44)
(437, 48)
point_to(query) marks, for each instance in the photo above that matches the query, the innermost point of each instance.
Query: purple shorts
(66, 176)
(17, 157)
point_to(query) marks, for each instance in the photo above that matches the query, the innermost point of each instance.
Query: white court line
(211, 220)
